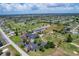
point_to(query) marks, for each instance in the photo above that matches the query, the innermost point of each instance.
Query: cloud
(16, 7)
(37, 7)
(52, 5)
(20, 7)
(25, 6)
(6, 7)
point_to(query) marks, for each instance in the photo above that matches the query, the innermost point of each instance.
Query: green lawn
(39, 53)
(24, 27)
(55, 37)
(76, 41)
(14, 51)
(69, 48)
(16, 39)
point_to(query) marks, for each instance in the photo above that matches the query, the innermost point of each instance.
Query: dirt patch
(58, 52)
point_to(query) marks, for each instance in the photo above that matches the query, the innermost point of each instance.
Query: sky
(37, 8)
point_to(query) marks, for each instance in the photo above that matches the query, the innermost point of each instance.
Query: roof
(31, 36)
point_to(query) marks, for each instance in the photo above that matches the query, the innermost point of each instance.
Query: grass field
(69, 48)
(47, 52)
(16, 39)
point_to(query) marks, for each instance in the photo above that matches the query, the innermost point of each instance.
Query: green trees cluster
(69, 38)
(38, 42)
(16, 32)
(49, 45)
(77, 19)
(41, 49)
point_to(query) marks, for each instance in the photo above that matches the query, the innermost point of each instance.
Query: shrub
(17, 54)
(41, 49)
(22, 46)
(49, 45)
(69, 38)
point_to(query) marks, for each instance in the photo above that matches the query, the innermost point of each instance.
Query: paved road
(13, 44)
(4, 46)
(73, 30)
(40, 29)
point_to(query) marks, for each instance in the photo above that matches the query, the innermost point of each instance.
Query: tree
(16, 32)
(27, 41)
(22, 46)
(46, 46)
(42, 48)
(9, 26)
(69, 38)
(77, 19)
(49, 45)
(35, 41)
(35, 50)
(38, 42)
